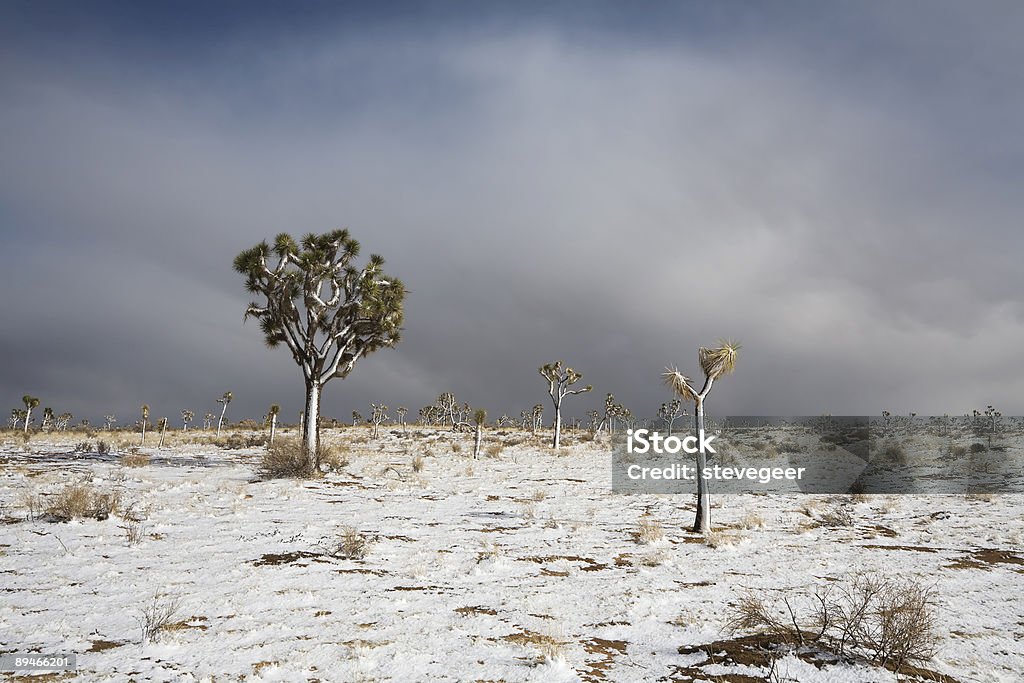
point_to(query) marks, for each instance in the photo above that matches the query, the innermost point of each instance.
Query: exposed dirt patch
(589, 564)
(985, 558)
(911, 548)
(476, 610)
(285, 558)
(607, 650)
(101, 645)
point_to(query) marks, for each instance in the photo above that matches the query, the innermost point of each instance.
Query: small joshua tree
(357, 417)
(186, 417)
(208, 421)
(669, 413)
(275, 410)
(326, 310)
(715, 363)
(63, 420)
(401, 412)
(47, 419)
(162, 423)
(479, 418)
(379, 413)
(145, 419)
(30, 403)
(16, 416)
(536, 417)
(559, 383)
(109, 421)
(224, 400)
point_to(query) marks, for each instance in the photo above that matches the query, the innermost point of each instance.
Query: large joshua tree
(715, 363)
(559, 383)
(326, 310)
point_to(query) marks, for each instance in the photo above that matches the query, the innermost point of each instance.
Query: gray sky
(836, 185)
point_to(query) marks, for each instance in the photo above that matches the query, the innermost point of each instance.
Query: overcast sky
(837, 185)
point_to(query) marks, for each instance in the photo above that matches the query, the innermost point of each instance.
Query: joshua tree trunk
(558, 426)
(702, 520)
(479, 439)
(143, 441)
(273, 428)
(310, 435)
(221, 420)
(163, 429)
(28, 417)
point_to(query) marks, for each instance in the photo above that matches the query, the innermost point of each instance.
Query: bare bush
(133, 531)
(133, 458)
(76, 501)
(352, 546)
(286, 459)
(649, 530)
(495, 450)
(886, 621)
(418, 463)
(157, 617)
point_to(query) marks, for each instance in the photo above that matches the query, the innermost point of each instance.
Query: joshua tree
(326, 332)
(145, 419)
(109, 421)
(401, 411)
(479, 418)
(162, 423)
(63, 420)
(357, 417)
(275, 410)
(17, 415)
(669, 413)
(47, 419)
(715, 363)
(225, 400)
(30, 403)
(379, 413)
(536, 417)
(186, 417)
(559, 381)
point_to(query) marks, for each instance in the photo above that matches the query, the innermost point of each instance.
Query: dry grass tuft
(352, 546)
(649, 530)
(157, 617)
(418, 464)
(78, 501)
(286, 459)
(133, 458)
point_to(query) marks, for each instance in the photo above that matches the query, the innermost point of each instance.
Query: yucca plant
(378, 413)
(479, 418)
(186, 417)
(715, 363)
(224, 401)
(275, 410)
(30, 403)
(559, 383)
(162, 423)
(326, 310)
(145, 419)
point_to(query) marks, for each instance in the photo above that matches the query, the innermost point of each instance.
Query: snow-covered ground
(523, 567)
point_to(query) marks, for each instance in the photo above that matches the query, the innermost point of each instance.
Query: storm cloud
(837, 187)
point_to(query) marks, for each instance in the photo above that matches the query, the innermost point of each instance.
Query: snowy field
(520, 567)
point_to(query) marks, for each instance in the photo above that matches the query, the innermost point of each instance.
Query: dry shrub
(133, 458)
(958, 450)
(456, 447)
(77, 501)
(352, 546)
(495, 450)
(236, 441)
(836, 517)
(752, 520)
(895, 453)
(649, 530)
(887, 621)
(157, 617)
(721, 539)
(418, 463)
(286, 459)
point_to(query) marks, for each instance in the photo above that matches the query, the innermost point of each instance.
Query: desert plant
(326, 335)
(649, 530)
(352, 545)
(286, 458)
(224, 400)
(559, 383)
(48, 418)
(145, 419)
(379, 413)
(30, 403)
(479, 418)
(133, 458)
(156, 617)
(715, 363)
(418, 463)
(162, 424)
(109, 421)
(186, 417)
(401, 412)
(669, 413)
(275, 410)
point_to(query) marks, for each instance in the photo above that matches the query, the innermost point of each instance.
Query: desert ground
(410, 560)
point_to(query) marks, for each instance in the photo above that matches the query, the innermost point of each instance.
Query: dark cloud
(844, 203)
